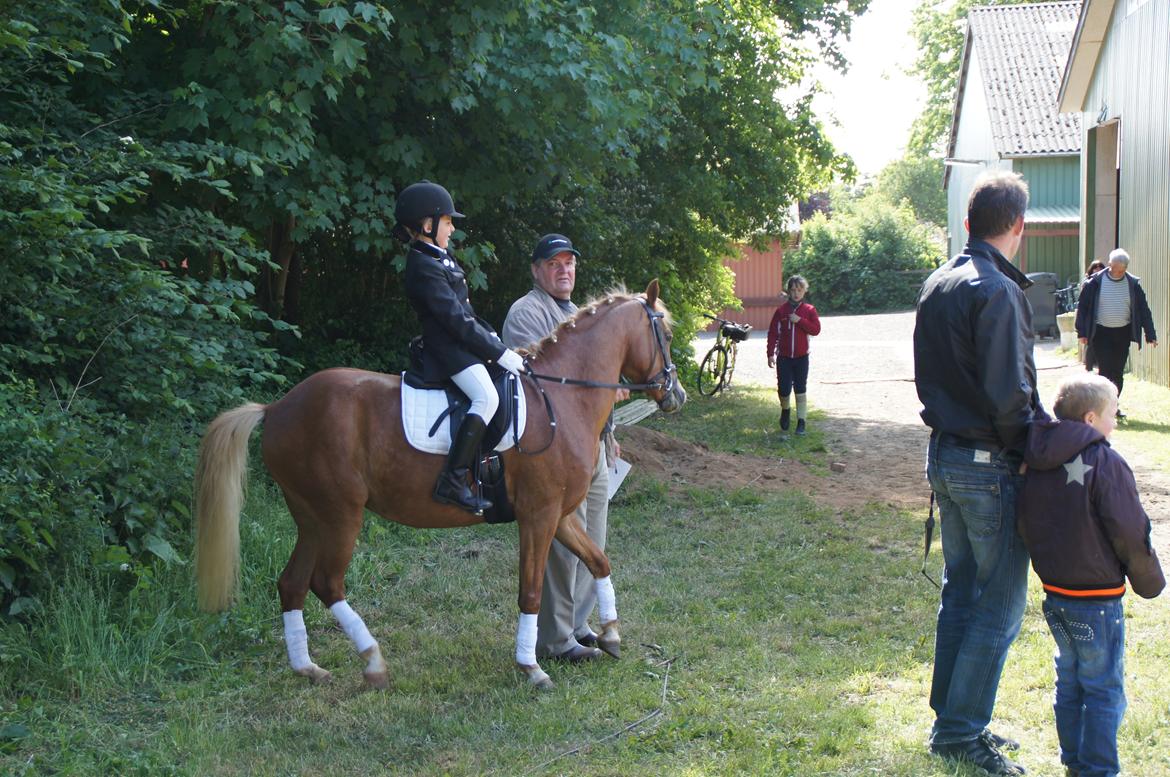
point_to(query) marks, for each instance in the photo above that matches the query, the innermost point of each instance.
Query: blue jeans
(984, 584)
(1090, 684)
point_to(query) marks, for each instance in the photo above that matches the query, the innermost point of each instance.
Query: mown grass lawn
(776, 637)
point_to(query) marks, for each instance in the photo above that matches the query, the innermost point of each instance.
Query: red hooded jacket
(788, 340)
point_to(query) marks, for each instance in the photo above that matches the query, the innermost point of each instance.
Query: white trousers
(475, 382)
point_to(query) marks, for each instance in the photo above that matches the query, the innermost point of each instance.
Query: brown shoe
(577, 655)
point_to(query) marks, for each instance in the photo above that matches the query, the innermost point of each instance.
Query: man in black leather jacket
(975, 375)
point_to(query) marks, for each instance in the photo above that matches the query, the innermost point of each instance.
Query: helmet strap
(433, 232)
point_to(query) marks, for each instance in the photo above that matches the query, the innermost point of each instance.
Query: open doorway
(1103, 195)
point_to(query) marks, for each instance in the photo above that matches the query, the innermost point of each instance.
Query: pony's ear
(652, 293)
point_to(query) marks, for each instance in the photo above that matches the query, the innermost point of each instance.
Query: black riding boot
(451, 487)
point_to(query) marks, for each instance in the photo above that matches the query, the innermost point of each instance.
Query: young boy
(1086, 531)
(793, 323)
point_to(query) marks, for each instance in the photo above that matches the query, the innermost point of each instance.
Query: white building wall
(973, 140)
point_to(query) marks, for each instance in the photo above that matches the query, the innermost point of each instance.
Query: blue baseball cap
(551, 245)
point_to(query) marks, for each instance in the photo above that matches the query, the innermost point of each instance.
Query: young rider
(456, 343)
(793, 323)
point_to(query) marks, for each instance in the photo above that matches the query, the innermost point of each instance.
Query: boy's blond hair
(1082, 393)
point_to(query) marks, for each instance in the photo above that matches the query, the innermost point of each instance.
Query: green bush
(112, 356)
(869, 256)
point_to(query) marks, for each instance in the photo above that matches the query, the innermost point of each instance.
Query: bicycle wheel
(732, 350)
(711, 371)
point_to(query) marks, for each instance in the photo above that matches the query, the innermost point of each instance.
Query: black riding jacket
(973, 342)
(454, 338)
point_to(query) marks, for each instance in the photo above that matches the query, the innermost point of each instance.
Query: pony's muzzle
(673, 400)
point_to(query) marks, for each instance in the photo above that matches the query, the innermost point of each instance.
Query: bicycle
(1066, 298)
(718, 365)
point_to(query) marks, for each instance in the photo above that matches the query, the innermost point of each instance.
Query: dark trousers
(791, 374)
(1111, 350)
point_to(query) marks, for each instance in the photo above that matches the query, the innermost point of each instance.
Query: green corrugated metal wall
(1055, 254)
(1052, 180)
(1132, 82)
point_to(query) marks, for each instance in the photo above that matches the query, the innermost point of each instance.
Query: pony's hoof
(377, 681)
(536, 676)
(610, 640)
(376, 673)
(316, 674)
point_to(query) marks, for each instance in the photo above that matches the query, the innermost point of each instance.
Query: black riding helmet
(418, 201)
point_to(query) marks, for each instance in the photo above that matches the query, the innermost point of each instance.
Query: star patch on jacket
(1077, 469)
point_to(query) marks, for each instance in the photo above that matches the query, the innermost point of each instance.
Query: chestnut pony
(335, 445)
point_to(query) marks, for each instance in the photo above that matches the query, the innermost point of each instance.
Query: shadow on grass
(1131, 424)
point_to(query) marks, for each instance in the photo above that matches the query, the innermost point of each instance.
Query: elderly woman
(1095, 267)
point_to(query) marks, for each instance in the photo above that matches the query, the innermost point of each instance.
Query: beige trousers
(569, 595)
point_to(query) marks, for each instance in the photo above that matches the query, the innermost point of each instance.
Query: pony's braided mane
(614, 296)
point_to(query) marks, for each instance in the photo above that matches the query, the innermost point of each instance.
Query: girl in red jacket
(793, 323)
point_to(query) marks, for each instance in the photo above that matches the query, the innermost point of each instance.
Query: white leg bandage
(353, 626)
(296, 639)
(526, 640)
(606, 600)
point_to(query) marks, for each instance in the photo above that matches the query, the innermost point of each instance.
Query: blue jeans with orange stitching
(984, 585)
(1090, 681)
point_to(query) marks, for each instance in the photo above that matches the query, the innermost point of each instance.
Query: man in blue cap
(569, 596)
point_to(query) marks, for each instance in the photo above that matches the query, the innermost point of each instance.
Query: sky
(874, 102)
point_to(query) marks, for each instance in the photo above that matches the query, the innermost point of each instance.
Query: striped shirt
(1113, 303)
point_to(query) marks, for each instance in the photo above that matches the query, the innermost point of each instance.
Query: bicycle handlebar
(724, 321)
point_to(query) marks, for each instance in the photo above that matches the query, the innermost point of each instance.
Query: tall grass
(790, 640)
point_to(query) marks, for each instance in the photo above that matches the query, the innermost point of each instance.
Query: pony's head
(648, 358)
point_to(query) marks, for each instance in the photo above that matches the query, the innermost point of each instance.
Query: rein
(663, 380)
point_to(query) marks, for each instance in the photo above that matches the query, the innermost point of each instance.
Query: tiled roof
(1022, 53)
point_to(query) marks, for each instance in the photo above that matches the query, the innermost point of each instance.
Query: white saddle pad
(421, 408)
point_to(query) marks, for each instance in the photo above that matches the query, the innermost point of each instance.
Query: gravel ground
(861, 377)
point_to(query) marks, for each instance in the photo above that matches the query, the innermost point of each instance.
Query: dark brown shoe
(589, 640)
(577, 655)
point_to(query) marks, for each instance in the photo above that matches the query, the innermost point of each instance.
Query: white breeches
(475, 382)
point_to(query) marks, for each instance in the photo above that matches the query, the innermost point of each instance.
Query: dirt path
(861, 376)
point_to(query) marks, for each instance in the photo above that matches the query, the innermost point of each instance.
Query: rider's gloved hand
(511, 361)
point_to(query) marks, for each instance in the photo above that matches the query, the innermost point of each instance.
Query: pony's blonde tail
(220, 478)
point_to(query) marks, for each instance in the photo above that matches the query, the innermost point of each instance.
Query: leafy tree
(640, 131)
(870, 256)
(917, 182)
(110, 356)
(183, 179)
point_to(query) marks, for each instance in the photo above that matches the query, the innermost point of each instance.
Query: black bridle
(664, 380)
